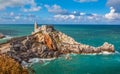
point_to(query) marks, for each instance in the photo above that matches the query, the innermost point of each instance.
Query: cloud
(112, 15)
(82, 18)
(11, 13)
(17, 18)
(115, 4)
(74, 16)
(19, 3)
(56, 9)
(32, 9)
(82, 1)
(64, 17)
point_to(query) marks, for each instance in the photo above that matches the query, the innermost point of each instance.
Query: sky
(60, 11)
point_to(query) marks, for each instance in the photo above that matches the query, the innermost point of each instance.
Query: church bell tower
(35, 27)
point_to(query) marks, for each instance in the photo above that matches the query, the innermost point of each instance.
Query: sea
(94, 35)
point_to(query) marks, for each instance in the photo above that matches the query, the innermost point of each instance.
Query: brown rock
(10, 66)
(1, 36)
(107, 47)
(49, 42)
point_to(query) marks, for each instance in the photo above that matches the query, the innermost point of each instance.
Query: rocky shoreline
(46, 42)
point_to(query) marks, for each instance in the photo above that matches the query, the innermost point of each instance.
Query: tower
(35, 27)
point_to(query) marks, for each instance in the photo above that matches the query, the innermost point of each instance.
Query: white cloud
(64, 17)
(19, 3)
(94, 17)
(81, 1)
(14, 3)
(72, 16)
(55, 9)
(12, 13)
(32, 9)
(112, 15)
(84, 18)
(82, 14)
(17, 17)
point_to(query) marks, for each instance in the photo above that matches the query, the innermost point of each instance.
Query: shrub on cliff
(10, 66)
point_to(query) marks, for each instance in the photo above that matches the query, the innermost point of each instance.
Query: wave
(117, 52)
(106, 53)
(102, 53)
(36, 60)
(44, 61)
(7, 37)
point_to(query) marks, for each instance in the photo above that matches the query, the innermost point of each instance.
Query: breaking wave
(36, 60)
(6, 37)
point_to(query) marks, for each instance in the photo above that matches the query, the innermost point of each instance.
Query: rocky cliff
(48, 43)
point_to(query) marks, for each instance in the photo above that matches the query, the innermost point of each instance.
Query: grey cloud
(18, 17)
(115, 4)
(20, 3)
(56, 9)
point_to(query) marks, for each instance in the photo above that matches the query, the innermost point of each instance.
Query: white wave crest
(106, 53)
(36, 60)
(7, 37)
(102, 53)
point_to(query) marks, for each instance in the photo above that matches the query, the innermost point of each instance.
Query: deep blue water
(94, 35)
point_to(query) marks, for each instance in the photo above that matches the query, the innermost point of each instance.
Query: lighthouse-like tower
(35, 27)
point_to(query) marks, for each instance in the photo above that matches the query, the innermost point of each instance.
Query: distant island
(47, 42)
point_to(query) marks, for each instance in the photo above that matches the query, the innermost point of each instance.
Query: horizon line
(57, 24)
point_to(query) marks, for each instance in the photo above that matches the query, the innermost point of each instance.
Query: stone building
(43, 28)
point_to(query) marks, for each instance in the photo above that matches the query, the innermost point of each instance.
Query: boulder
(87, 51)
(28, 44)
(1, 36)
(107, 47)
(50, 54)
(56, 54)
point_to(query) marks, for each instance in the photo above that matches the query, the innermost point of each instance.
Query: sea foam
(36, 60)
(7, 37)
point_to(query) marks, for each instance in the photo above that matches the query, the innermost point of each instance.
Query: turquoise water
(78, 64)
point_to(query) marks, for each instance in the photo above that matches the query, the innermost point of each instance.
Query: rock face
(107, 47)
(10, 66)
(46, 42)
(1, 36)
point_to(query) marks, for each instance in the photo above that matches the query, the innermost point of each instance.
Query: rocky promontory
(47, 42)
